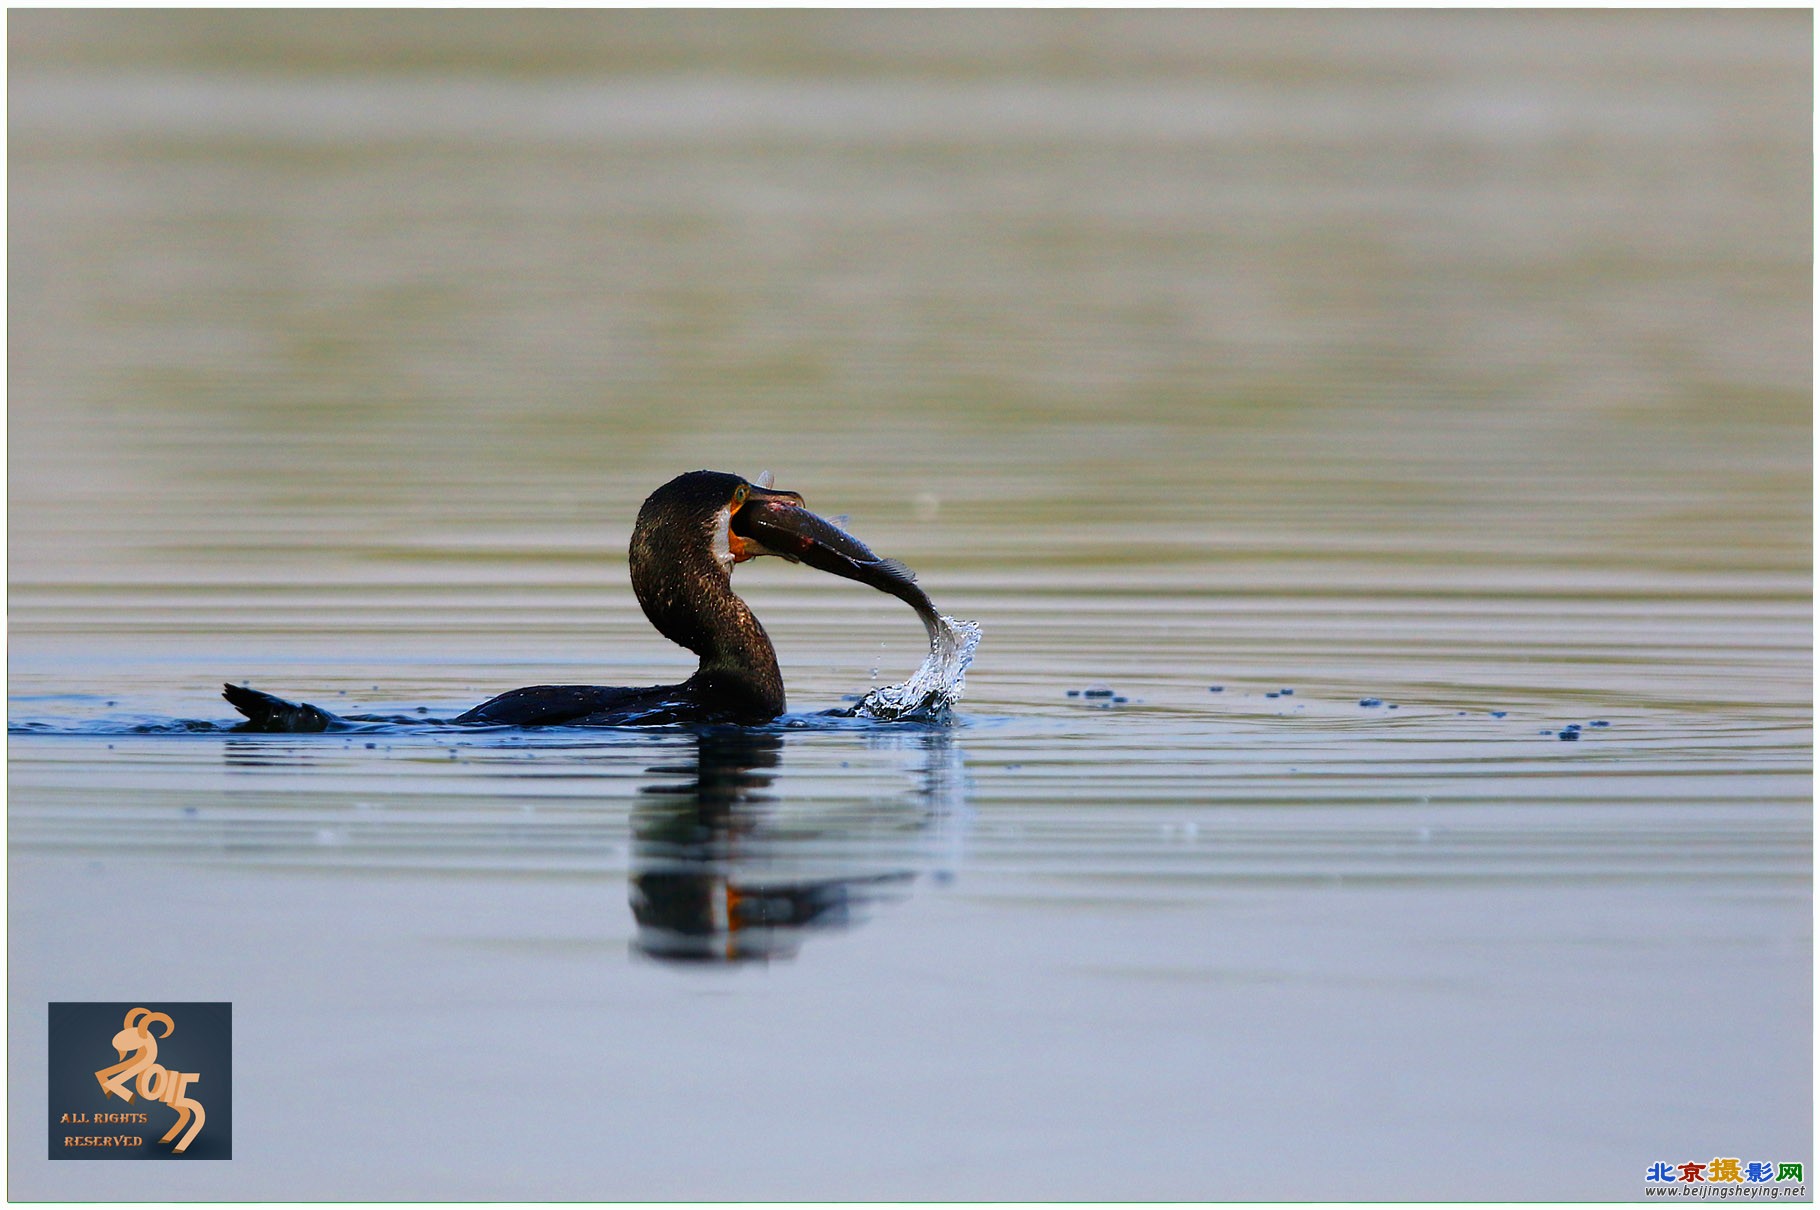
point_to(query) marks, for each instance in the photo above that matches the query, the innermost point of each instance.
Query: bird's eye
(739, 496)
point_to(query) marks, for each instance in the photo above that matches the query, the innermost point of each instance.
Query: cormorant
(689, 534)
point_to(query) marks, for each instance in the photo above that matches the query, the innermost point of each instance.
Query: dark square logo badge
(142, 1081)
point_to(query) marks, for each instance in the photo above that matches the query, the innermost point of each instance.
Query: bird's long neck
(689, 597)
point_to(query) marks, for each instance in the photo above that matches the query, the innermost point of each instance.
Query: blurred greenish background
(1471, 282)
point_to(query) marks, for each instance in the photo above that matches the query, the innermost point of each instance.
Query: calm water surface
(1457, 364)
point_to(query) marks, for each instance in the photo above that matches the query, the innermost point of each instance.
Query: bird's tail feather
(267, 713)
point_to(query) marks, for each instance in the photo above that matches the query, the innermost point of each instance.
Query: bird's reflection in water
(718, 878)
(240, 754)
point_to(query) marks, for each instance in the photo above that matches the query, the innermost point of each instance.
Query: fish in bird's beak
(749, 501)
(770, 522)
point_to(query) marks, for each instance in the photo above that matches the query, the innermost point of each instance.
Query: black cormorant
(690, 533)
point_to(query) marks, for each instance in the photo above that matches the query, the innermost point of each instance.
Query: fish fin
(839, 521)
(892, 567)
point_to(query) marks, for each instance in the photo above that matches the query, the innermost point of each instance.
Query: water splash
(936, 686)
